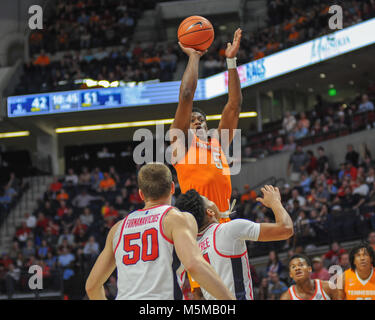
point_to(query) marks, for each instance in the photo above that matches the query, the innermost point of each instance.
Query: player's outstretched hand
(271, 196)
(232, 48)
(191, 51)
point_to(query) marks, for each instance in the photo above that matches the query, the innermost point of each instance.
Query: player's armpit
(103, 268)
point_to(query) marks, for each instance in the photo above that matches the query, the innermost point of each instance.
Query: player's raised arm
(187, 90)
(231, 112)
(183, 229)
(103, 268)
(282, 229)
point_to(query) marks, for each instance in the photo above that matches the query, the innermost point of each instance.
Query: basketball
(196, 32)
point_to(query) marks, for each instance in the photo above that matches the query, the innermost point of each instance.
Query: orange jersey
(357, 289)
(207, 173)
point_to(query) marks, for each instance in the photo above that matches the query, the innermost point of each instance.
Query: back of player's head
(355, 250)
(155, 180)
(300, 256)
(192, 202)
(197, 110)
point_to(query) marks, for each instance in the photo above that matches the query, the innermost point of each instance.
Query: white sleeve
(240, 229)
(231, 236)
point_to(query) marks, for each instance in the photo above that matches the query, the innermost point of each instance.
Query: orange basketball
(196, 32)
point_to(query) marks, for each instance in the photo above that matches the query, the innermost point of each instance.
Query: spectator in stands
(298, 162)
(78, 226)
(29, 250)
(263, 293)
(11, 279)
(107, 184)
(83, 199)
(71, 178)
(42, 60)
(305, 183)
(366, 104)
(55, 186)
(319, 272)
(69, 237)
(279, 146)
(91, 249)
(43, 250)
(50, 236)
(62, 195)
(30, 220)
(291, 145)
(65, 258)
(344, 261)
(85, 177)
(352, 155)
(300, 131)
(277, 287)
(323, 162)
(313, 163)
(350, 171)
(5, 260)
(14, 250)
(274, 265)
(22, 234)
(289, 122)
(332, 256)
(87, 217)
(296, 197)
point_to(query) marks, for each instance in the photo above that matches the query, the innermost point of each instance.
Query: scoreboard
(98, 99)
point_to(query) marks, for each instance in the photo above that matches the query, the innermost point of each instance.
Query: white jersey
(224, 247)
(319, 294)
(147, 264)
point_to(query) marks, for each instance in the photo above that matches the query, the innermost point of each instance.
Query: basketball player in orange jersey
(149, 245)
(211, 179)
(224, 245)
(306, 288)
(358, 282)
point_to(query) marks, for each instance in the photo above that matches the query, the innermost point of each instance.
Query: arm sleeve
(231, 236)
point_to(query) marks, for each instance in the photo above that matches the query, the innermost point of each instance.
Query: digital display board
(280, 63)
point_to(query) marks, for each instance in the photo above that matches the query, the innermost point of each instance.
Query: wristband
(232, 63)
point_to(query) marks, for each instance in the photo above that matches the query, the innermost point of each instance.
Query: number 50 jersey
(147, 264)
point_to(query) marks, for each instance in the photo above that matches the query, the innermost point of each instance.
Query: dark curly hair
(195, 109)
(192, 202)
(355, 250)
(301, 256)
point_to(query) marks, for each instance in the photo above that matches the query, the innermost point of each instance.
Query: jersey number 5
(149, 252)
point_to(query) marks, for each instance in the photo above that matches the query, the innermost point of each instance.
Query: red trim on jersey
(122, 228)
(290, 293)
(250, 280)
(202, 233)
(182, 275)
(161, 226)
(223, 255)
(160, 205)
(316, 290)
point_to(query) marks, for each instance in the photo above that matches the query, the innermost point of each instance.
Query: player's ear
(210, 212)
(173, 188)
(309, 269)
(141, 194)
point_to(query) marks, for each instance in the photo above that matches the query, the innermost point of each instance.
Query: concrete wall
(178, 9)
(254, 173)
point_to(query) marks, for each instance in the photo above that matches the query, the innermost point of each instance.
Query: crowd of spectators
(98, 42)
(299, 128)
(290, 22)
